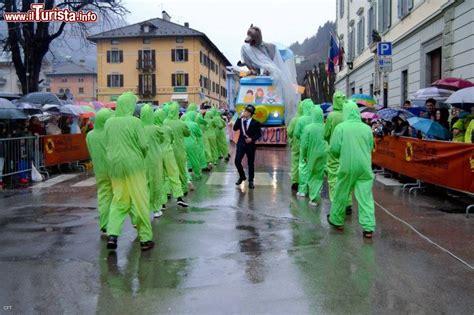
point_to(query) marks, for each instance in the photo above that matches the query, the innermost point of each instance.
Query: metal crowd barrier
(17, 156)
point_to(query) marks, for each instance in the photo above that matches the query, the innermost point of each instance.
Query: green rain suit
(295, 144)
(221, 139)
(172, 182)
(180, 131)
(314, 152)
(303, 121)
(211, 150)
(193, 150)
(154, 159)
(96, 144)
(201, 141)
(334, 118)
(352, 142)
(127, 146)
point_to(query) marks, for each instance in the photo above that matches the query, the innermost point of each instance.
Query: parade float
(269, 84)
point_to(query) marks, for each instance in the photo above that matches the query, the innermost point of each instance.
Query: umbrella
(364, 99)
(463, 99)
(65, 109)
(417, 110)
(429, 127)
(390, 113)
(29, 109)
(452, 84)
(369, 115)
(325, 107)
(9, 111)
(432, 92)
(41, 98)
(364, 109)
(98, 105)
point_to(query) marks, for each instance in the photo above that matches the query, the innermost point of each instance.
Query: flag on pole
(333, 56)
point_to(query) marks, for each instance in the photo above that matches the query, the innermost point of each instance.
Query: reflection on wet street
(235, 251)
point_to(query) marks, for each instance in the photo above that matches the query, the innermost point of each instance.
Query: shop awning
(179, 97)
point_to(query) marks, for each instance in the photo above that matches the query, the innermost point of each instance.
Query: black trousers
(239, 155)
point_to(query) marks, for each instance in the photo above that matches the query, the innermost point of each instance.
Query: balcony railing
(146, 65)
(147, 92)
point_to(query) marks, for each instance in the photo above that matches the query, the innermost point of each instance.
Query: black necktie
(246, 124)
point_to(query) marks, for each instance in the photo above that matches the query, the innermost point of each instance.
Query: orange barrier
(447, 164)
(61, 149)
(270, 135)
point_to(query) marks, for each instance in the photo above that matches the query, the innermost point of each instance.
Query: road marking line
(85, 183)
(387, 181)
(423, 236)
(55, 180)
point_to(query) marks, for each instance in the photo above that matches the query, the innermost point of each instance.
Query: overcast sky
(226, 22)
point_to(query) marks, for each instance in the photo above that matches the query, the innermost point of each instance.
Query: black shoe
(147, 245)
(240, 181)
(367, 234)
(112, 242)
(339, 227)
(348, 210)
(227, 158)
(294, 187)
(207, 169)
(181, 203)
(251, 185)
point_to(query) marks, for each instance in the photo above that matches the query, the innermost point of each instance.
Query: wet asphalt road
(235, 251)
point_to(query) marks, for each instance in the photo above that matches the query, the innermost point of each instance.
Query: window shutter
(108, 80)
(121, 55)
(173, 54)
(108, 56)
(140, 62)
(186, 79)
(400, 8)
(153, 84)
(185, 55)
(387, 14)
(380, 14)
(410, 4)
(140, 83)
(173, 79)
(153, 58)
(121, 80)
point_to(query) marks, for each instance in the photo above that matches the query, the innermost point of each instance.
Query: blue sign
(384, 49)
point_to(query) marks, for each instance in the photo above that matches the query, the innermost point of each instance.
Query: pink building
(74, 79)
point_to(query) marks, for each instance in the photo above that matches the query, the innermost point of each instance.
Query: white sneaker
(313, 204)
(157, 214)
(300, 194)
(182, 204)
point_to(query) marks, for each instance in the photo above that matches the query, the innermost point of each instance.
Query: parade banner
(447, 164)
(270, 136)
(61, 149)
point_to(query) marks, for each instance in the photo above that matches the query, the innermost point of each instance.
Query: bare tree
(29, 42)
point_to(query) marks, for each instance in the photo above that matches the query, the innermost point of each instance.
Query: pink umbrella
(452, 84)
(98, 105)
(369, 115)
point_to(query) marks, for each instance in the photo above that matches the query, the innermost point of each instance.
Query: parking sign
(384, 49)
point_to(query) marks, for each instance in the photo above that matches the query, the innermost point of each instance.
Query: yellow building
(160, 61)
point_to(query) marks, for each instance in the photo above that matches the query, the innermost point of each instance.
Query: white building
(431, 39)
(9, 82)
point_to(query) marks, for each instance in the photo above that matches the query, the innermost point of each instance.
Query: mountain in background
(314, 49)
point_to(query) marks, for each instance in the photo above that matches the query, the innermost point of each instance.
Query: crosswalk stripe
(55, 180)
(85, 183)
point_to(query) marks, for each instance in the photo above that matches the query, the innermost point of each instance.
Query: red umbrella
(452, 83)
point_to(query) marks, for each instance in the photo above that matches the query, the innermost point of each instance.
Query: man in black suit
(249, 133)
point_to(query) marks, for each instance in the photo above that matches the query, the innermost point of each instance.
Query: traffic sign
(385, 64)
(384, 49)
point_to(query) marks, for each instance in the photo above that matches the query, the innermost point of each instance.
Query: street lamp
(27, 79)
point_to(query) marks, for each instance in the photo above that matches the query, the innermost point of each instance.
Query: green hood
(173, 113)
(192, 108)
(191, 116)
(209, 114)
(101, 117)
(126, 104)
(351, 111)
(307, 106)
(146, 115)
(317, 114)
(299, 111)
(160, 116)
(338, 100)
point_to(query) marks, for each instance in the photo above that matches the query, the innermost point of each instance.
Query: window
(360, 91)
(384, 14)
(434, 65)
(341, 8)
(67, 91)
(180, 39)
(404, 85)
(351, 52)
(63, 80)
(81, 90)
(146, 59)
(61, 91)
(115, 80)
(370, 24)
(146, 41)
(352, 87)
(218, 87)
(147, 84)
(213, 87)
(80, 80)
(404, 7)
(371, 89)
(48, 90)
(114, 56)
(360, 35)
(179, 55)
(179, 79)
(114, 42)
